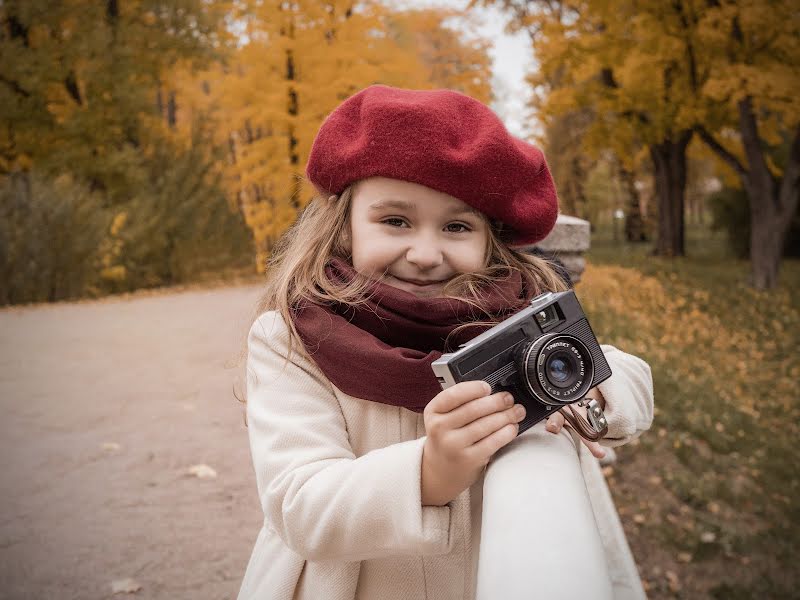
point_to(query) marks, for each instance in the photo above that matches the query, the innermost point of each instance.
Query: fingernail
(508, 399)
(487, 387)
(519, 410)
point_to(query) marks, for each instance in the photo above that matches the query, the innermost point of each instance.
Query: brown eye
(394, 222)
(457, 228)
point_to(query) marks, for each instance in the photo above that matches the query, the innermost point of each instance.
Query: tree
(452, 61)
(753, 88)
(298, 62)
(77, 81)
(630, 65)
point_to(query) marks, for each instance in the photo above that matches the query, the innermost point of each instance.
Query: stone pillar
(567, 242)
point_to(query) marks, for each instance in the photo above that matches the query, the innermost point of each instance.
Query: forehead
(380, 193)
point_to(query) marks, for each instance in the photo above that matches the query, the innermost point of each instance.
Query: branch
(723, 153)
(16, 87)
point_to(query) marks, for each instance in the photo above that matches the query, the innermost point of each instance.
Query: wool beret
(441, 139)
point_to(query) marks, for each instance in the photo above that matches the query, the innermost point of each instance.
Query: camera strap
(592, 430)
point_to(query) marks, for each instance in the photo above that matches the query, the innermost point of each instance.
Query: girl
(370, 476)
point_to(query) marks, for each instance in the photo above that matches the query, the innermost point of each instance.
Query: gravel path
(105, 407)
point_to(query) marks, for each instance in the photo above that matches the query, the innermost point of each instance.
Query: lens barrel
(556, 369)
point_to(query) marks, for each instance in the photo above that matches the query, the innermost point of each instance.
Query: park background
(155, 148)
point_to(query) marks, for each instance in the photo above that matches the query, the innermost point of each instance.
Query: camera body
(546, 355)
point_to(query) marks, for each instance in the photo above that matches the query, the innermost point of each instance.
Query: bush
(60, 241)
(51, 233)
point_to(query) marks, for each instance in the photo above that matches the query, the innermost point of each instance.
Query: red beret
(441, 139)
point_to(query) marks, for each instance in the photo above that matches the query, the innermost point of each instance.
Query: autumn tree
(298, 62)
(655, 73)
(77, 81)
(753, 120)
(630, 64)
(451, 60)
(84, 127)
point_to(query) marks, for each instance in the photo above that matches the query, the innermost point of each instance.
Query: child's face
(412, 237)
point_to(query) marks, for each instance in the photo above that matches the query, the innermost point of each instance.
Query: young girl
(370, 476)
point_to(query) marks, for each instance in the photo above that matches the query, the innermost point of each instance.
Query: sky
(511, 56)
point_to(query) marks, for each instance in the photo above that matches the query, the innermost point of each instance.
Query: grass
(715, 483)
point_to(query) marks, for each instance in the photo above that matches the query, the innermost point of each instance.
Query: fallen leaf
(202, 472)
(674, 582)
(125, 586)
(638, 518)
(684, 557)
(707, 537)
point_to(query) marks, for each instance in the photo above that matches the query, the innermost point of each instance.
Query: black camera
(546, 355)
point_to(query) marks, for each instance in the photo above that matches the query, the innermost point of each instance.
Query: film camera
(546, 355)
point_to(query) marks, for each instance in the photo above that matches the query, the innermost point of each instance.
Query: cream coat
(339, 482)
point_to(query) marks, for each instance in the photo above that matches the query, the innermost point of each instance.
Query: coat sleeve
(322, 500)
(629, 397)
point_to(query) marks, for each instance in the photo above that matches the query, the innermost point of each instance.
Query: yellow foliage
(118, 223)
(116, 273)
(297, 62)
(649, 69)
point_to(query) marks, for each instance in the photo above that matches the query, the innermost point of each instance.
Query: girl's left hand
(555, 423)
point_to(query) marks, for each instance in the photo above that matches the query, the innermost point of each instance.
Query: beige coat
(339, 482)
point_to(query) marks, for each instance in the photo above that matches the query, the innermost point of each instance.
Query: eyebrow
(410, 206)
(392, 203)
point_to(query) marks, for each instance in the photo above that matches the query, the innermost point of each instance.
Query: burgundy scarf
(382, 350)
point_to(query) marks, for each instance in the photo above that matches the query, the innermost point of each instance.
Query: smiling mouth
(419, 283)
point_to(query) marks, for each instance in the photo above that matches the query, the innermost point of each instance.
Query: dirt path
(105, 407)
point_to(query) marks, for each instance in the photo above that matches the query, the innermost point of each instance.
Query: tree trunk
(766, 248)
(772, 201)
(635, 230)
(669, 162)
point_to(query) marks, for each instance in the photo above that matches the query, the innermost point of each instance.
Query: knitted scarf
(381, 350)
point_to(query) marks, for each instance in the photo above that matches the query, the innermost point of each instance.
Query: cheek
(470, 257)
(371, 252)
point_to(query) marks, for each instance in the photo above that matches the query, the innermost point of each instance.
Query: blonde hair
(296, 269)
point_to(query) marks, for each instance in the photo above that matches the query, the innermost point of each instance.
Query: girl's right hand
(465, 427)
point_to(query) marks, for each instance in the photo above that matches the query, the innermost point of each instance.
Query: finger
(456, 395)
(485, 449)
(555, 422)
(480, 407)
(485, 426)
(596, 449)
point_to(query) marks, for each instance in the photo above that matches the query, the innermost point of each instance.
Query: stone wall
(568, 241)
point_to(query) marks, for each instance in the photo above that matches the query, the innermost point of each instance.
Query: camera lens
(556, 369)
(559, 368)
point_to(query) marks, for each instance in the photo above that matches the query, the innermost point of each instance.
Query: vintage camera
(546, 355)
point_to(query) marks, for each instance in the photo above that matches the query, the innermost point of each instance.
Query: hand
(465, 427)
(555, 423)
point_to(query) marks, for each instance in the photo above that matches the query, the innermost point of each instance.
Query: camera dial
(555, 369)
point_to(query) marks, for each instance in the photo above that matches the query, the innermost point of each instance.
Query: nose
(425, 254)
